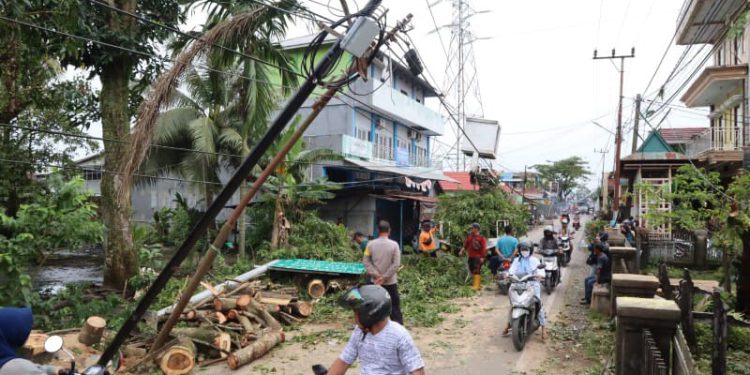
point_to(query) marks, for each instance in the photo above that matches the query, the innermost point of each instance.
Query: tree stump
(255, 350)
(179, 358)
(302, 308)
(316, 288)
(92, 331)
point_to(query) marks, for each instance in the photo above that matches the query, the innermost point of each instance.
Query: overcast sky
(537, 76)
(536, 73)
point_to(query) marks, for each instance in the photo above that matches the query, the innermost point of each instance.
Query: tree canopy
(566, 173)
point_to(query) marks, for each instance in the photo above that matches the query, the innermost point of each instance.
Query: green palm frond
(204, 139)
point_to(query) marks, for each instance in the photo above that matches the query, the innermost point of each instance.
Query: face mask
(525, 253)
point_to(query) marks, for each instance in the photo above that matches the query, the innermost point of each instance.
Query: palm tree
(235, 107)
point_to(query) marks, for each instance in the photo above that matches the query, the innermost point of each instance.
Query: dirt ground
(466, 342)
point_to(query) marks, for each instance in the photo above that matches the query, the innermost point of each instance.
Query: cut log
(255, 350)
(133, 351)
(219, 340)
(276, 301)
(179, 358)
(273, 294)
(232, 314)
(225, 304)
(34, 345)
(92, 331)
(302, 308)
(223, 342)
(316, 288)
(221, 318)
(265, 317)
(242, 301)
(246, 324)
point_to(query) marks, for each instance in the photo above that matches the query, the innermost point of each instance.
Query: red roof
(464, 179)
(680, 135)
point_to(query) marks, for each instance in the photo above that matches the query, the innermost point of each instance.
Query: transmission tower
(461, 83)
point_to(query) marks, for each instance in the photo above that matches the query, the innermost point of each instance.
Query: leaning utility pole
(618, 136)
(523, 188)
(636, 122)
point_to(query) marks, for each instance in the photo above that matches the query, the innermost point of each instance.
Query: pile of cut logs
(238, 327)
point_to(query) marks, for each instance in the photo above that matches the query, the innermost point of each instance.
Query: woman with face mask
(524, 265)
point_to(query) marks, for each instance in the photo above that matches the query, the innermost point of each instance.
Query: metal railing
(717, 139)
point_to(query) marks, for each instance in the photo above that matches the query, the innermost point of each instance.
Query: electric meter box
(360, 35)
(485, 134)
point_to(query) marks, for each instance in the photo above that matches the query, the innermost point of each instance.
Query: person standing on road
(427, 243)
(361, 241)
(475, 246)
(382, 346)
(505, 247)
(602, 273)
(382, 259)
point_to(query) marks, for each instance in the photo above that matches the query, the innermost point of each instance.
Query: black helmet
(371, 302)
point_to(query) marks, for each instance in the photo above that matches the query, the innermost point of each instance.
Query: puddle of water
(69, 266)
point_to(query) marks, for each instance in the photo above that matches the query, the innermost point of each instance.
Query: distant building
(385, 132)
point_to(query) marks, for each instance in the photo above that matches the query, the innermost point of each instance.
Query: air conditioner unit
(410, 134)
(418, 137)
(413, 134)
(381, 123)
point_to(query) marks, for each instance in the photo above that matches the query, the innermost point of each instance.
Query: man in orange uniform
(427, 242)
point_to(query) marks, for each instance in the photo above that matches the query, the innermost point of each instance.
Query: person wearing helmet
(381, 345)
(524, 265)
(15, 327)
(475, 246)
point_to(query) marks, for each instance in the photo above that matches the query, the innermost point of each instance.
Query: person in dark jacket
(15, 327)
(602, 273)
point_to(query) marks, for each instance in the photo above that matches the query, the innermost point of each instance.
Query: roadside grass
(593, 336)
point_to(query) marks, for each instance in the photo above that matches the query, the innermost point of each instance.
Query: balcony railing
(717, 139)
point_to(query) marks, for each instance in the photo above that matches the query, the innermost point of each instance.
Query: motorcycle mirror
(53, 344)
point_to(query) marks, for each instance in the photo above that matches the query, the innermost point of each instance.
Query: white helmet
(549, 228)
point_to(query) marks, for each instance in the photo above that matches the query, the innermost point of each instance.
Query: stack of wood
(237, 327)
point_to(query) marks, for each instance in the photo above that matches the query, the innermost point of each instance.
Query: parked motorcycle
(525, 308)
(551, 269)
(567, 249)
(54, 344)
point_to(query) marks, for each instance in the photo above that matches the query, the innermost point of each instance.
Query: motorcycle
(525, 308)
(551, 269)
(502, 283)
(54, 344)
(567, 249)
(577, 222)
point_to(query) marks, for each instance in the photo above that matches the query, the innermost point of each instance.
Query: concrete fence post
(660, 317)
(700, 249)
(632, 285)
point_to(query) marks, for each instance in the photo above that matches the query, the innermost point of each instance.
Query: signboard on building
(484, 134)
(351, 146)
(506, 176)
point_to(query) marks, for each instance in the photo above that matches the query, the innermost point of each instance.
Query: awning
(418, 172)
(419, 198)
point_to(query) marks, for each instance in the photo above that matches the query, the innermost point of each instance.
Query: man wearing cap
(476, 247)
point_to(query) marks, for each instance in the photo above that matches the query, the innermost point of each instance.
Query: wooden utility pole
(523, 188)
(618, 136)
(636, 122)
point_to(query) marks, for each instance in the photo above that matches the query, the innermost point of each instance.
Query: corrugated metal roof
(680, 135)
(463, 182)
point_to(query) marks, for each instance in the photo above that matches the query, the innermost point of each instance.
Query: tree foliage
(61, 217)
(566, 173)
(459, 210)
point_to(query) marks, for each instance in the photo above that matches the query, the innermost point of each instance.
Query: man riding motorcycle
(523, 265)
(549, 241)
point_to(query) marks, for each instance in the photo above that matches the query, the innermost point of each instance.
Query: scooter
(577, 222)
(502, 283)
(525, 308)
(567, 249)
(551, 269)
(54, 344)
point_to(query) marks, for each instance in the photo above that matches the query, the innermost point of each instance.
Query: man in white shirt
(382, 346)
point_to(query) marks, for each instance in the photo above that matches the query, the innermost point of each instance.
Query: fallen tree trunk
(255, 350)
(179, 358)
(92, 331)
(264, 316)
